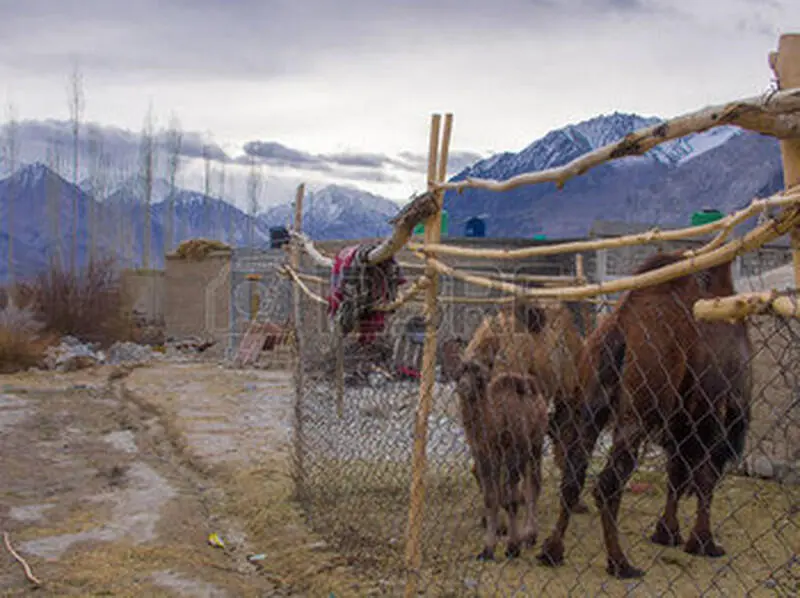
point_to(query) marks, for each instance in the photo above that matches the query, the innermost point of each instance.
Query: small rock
(128, 352)
(761, 467)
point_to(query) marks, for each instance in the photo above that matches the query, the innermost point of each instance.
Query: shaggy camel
(505, 421)
(685, 384)
(541, 341)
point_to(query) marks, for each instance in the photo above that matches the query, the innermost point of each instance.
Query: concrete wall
(197, 296)
(145, 290)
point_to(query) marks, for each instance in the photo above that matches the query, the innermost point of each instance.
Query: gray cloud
(352, 165)
(250, 39)
(35, 136)
(457, 160)
(277, 154)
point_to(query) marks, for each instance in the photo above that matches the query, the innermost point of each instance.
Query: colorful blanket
(357, 286)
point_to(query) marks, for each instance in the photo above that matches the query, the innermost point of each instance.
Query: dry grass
(197, 249)
(22, 345)
(362, 508)
(297, 558)
(88, 304)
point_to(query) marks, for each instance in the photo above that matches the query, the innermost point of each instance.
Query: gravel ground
(377, 425)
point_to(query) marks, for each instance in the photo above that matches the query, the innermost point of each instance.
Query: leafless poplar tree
(230, 231)
(95, 147)
(174, 141)
(10, 155)
(99, 171)
(54, 155)
(206, 217)
(254, 182)
(76, 102)
(147, 169)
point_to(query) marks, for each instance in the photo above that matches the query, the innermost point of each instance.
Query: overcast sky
(342, 90)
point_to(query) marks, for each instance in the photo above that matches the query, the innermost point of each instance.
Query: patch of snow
(29, 513)
(136, 511)
(122, 440)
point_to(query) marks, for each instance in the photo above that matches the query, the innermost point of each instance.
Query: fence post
(786, 65)
(437, 170)
(299, 383)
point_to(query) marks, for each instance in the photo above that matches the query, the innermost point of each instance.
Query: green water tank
(420, 228)
(705, 216)
(539, 237)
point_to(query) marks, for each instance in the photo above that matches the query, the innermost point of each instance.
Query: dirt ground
(111, 487)
(111, 484)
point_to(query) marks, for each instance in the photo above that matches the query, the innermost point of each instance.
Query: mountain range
(724, 169)
(41, 217)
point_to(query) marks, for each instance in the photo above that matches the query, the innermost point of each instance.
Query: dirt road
(111, 487)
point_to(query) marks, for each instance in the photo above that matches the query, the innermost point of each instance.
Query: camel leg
(667, 532)
(701, 540)
(511, 496)
(608, 496)
(531, 489)
(490, 484)
(576, 462)
(501, 528)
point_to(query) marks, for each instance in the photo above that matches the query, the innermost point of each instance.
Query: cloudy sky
(341, 91)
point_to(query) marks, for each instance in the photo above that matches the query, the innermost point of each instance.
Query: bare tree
(174, 141)
(54, 155)
(10, 155)
(222, 192)
(254, 181)
(95, 148)
(147, 166)
(125, 212)
(99, 169)
(206, 218)
(76, 102)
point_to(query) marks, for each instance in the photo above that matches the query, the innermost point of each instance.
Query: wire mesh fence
(672, 394)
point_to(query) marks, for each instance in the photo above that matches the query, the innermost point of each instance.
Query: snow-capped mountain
(723, 168)
(40, 202)
(38, 206)
(338, 212)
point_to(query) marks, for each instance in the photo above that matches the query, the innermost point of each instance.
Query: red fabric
(408, 371)
(372, 324)
(342, 260)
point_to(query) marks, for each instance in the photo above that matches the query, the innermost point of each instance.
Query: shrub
(87, 304)
(22, 344)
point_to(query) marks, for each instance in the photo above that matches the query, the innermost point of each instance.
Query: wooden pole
(580, 274)
(339, 347)
(786, 65)
(437, 169)
(299, 383)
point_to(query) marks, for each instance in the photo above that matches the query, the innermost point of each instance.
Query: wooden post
(339, 347)
(580, 273)
(255, 298)
(786, 65)
(299, 383)
(437, 170)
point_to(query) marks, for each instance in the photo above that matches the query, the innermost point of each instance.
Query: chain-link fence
(258, 292)
(673, 394)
